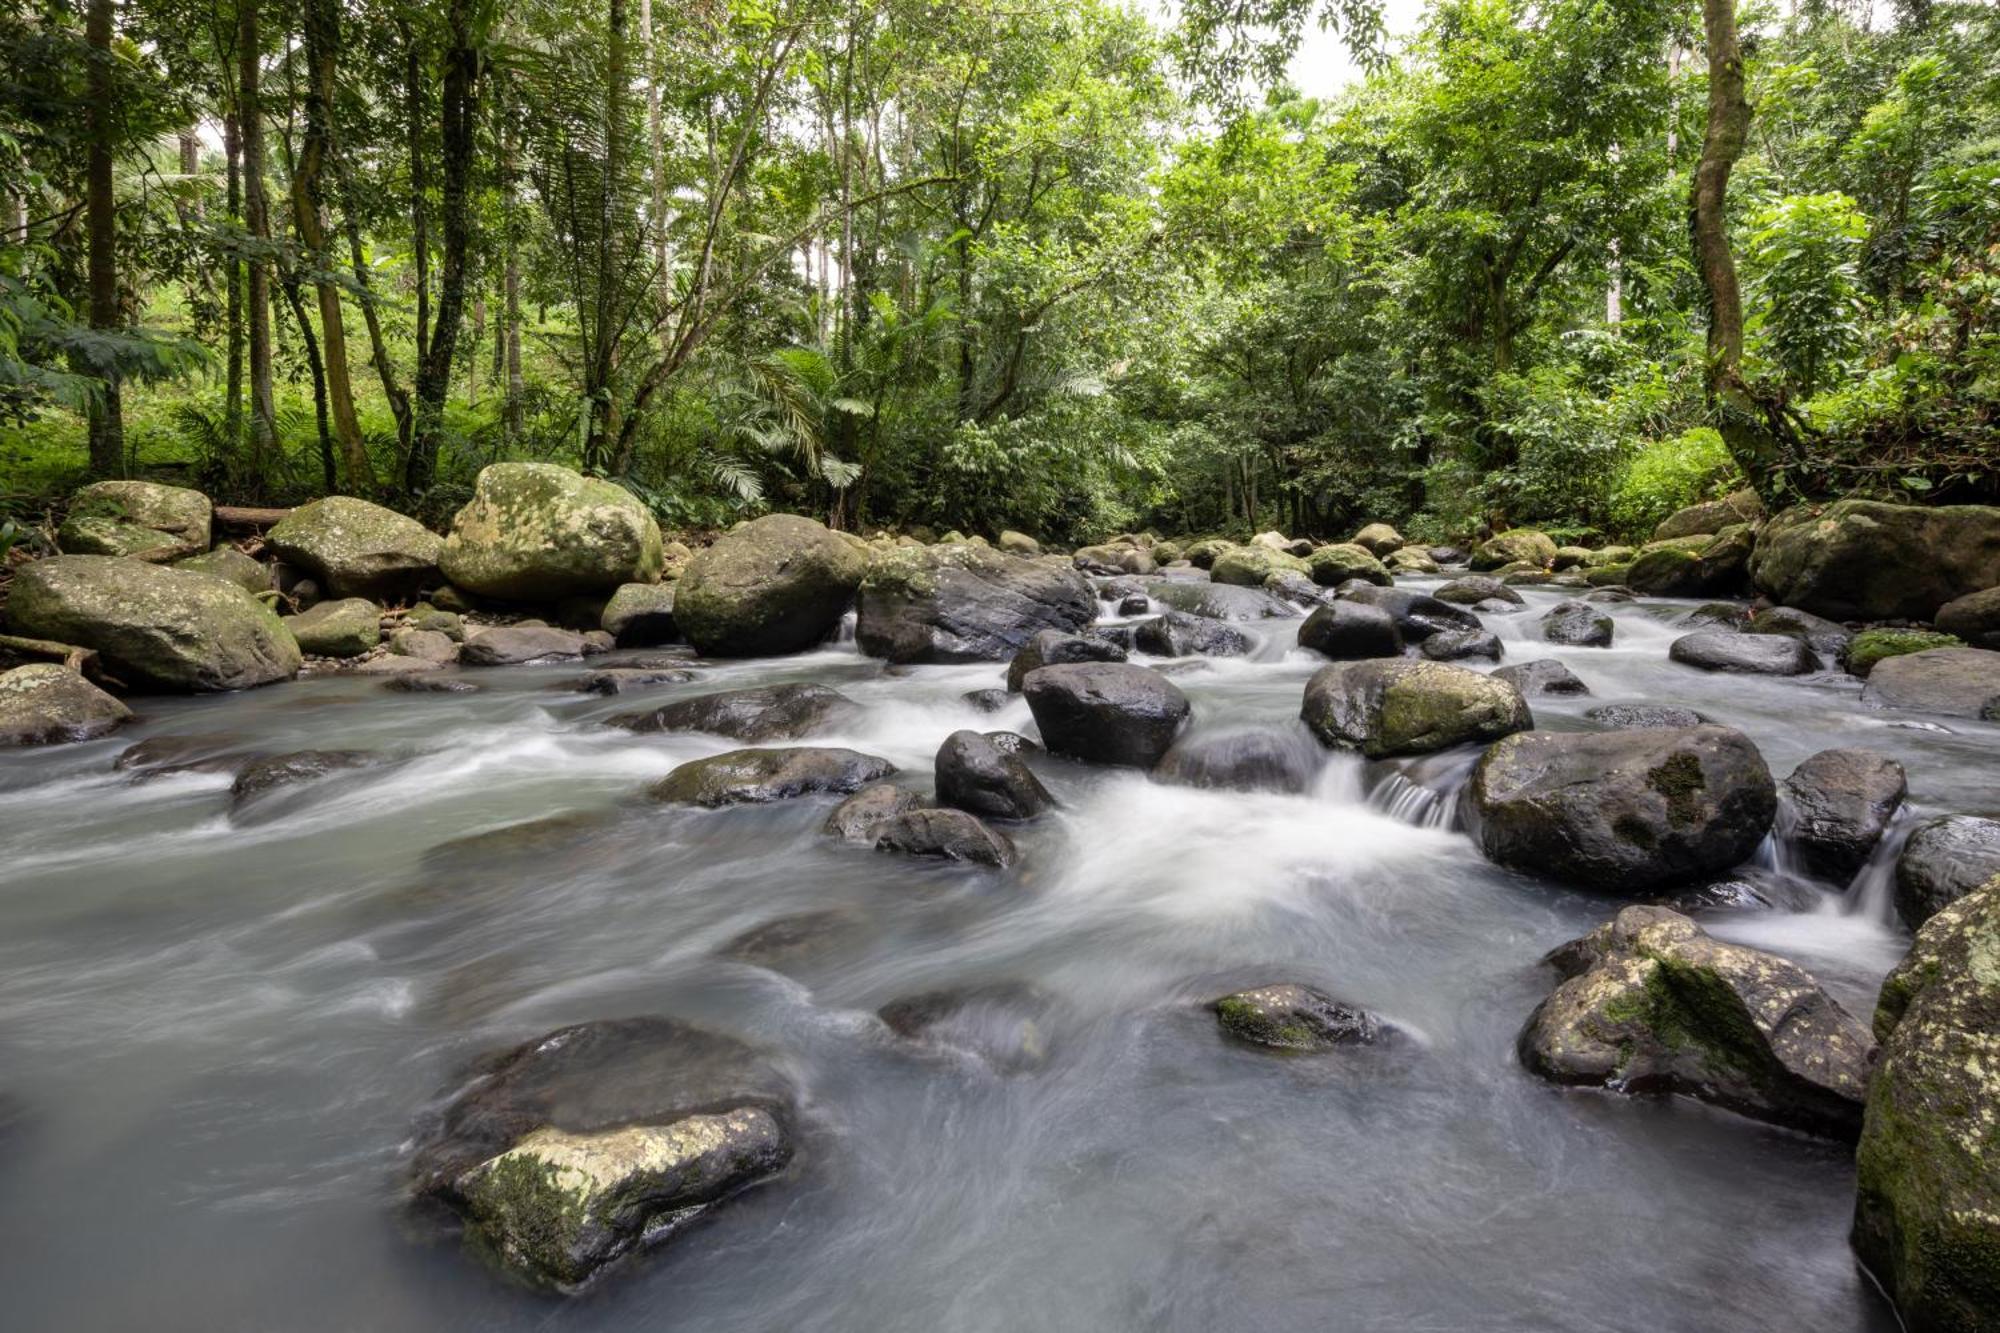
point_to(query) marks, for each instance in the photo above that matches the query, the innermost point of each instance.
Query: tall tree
(257, 245)
(107, 418)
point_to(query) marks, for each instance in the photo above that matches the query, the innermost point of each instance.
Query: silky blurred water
(217, 1028)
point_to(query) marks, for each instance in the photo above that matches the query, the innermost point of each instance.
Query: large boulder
(1054, 647)
(1379, 539)
(1927, 1169)
(1974, 618)
(1650, 1003)
(357, 549)
(756, 777)
(572, 1150)
(1867, 560)
(1622, 812)
(346, 628)
(141, 520)
(1522, 544)
(43, 703)
(756, 713)
(1178, 634)
(226, 562)
(1711, 516)
(536, 532)
(1411, 560)
(1544, 675)
(1351, 631)
(1418, 615)
(1955, 682)
(856, 818)
(641, 615)
(777, 584)
(946, 835)
(1249, 566)
(1472, 589)
(1943, 860)
(155, 627)
(1576, 624)
(975, 775)
(1827, 638)
(1392, 706)
(1252, 759)
(1692, 566)
(1331, 566)
(1106, 713)
(1747, 654)
(1219, 601)
(1836, 806)
(964, 603)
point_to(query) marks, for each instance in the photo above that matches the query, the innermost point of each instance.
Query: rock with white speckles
(357, 549)
(536, 532)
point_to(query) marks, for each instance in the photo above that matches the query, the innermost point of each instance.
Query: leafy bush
(1670, 474)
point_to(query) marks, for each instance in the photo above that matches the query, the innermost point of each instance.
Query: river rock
(1331, 566)
(1018, 543)
(966, 604)
(1106, 713)
(154, 627)
(1644, 717)
(947, 835)
(1621, 812)
(1349, 631)
(1973, 618)
(1410, 560)
(537, 532)
(1711, 516)
(758, 776)
(623, 680)
(777, 584)
(974, 775)
(1291, 1017)
(356, 549)
(1577, 624)
(1827, 638)
(514, 645)
(346, 628)
(641, 615)
(1418, 615)
(1836, 806)
(226, 562)
(1692, 566)
(1651, 1003)
(424, 644)
(1391, 707)
(140, 520)
(1544, 675)
(1472, 589)
(1220, 601)
(856, 818)
(1001, 1024)
(1178, 634)
(268, 773)
(1113, 560)
(1525, 544)
(1872, 646)
(43, 704)
(1258, 759)
(1051, 647)
(1943, 860)
(572, 1150)
(1868, 560)
(1455, 645)
(758, 713)
(1379, 539)
(1955, 682)
(1748, 654)
(1927, 1188)
(1250, 566)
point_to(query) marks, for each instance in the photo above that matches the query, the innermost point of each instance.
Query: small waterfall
(1413, 803)
(844, 631)
(1872, 895)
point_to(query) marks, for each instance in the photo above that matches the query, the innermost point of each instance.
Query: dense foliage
(1052, 266)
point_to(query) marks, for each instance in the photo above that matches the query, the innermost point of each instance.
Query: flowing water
(216, 1030)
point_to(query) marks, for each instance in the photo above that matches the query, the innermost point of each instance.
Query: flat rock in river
(759, 713)
(756, 776)
(1954, 682)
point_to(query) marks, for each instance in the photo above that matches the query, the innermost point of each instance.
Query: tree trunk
(321, 419)
(510, 283)
(232, 411)
(257, 224)
(107, 419)
(459, 106)
(322, 42)
(603, 360)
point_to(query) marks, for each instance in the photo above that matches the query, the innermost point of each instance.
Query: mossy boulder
(964, 603)
(1955, 682)
(226, 562)
(1392, 706)
(1018, 543)
(536, 532)
(1288, 1016)
(1651, 1003)
(1623, 812)
(156, 627)
(357, 549)
(1379, 539)
(1607, 576)
(1517, 544)
(1870, 646)
(141, 520)
(346, 628)
(1927, 1187)
(777, 584)
(1697, 566)
(1610, 555)
(641, 615)
(43, 704)
(1868, 560)
(1331, 566)
(760, 776)
(1204, 553)
(1411, 560)
(1711, 516)
(1249, 566)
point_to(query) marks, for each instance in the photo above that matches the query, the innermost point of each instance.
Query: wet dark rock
(976, 776)
(1544, 675)
(1748, 890)
(1943, 860)
(1120, 588)
(1011, 742)
(1471, 589)
(759, 713)
(756, 776)
(289, 770)
(1576, 624)
(1393, 706)
(1291, 1017)
(1135, 605)
(1621, 812)
(1718, 615)
(1178, 634)
(1650, 1003)
(777, 584)
(1351, 631)
(966, 604)
(1643, 717)
(1051, 647)
(570, 1151)
(790, 940)
(1954, 682)
(949, 835)
(1749, 654)
(1457, 644)
(620, 680)
(1000, 1024)
(1836, 806)
(1220, 601)
(1106, 713)
(988, 701)
(856, 818)
(427, 684)
(515, 645)
(163, 756)
(1450, 555)
(1867, 560)
(1264, 759)
(1827, 638)
(640, 615)
(1418, 615)
(1927, 1197)
(1975, 618)
(44, 704)
(1295, 588)
(1610, 596)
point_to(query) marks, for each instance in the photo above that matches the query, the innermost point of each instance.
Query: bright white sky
(1322, 66)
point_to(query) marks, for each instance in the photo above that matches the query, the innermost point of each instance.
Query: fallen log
(245, 518)
(18, 651)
